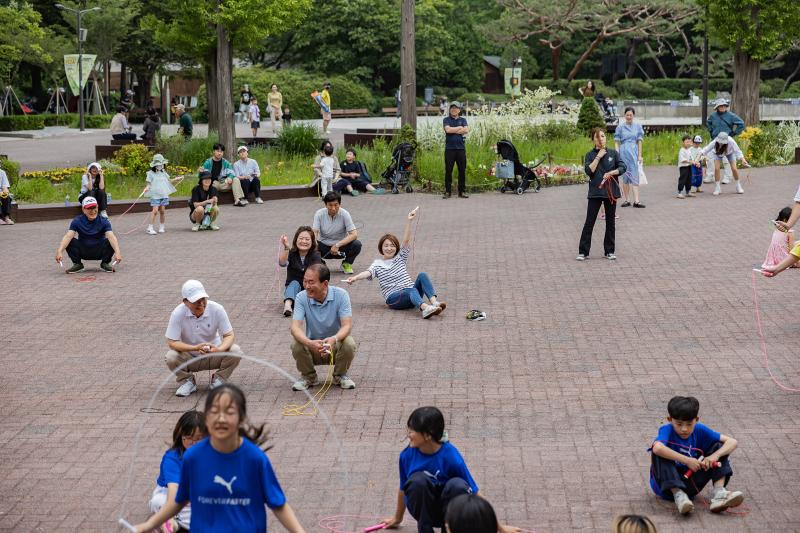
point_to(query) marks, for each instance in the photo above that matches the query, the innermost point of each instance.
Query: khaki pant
(223, 364)
(235, 186)
(344, 353)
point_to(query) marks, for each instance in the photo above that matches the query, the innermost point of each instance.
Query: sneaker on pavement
(186, 388)
(103, 213)
(717, 190)
(150, 230)
(195, 227)
(431, 310)
(344, 382)
(74, 269)
(304, 384)
(611, 257)
(347, 268)
(162, 229)
(708, 179)
(216, 382)
(259, 200)
(581, 257)
(214, 227)
(640, 205)
(441, 305)
(105, 267)
(690, 194)
(680, 196)
(724, 499)
(243, 201)
(739, 188)
(355, 193)
(379, 190)
(683, 503)
(726, 180)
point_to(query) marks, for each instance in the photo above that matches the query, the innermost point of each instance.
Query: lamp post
(79, 13)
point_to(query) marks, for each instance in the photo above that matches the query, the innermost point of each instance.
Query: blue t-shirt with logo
(439, 467)
(698, 444)
(90, 232)
(454, 141)
(228, 491)
(170, 470)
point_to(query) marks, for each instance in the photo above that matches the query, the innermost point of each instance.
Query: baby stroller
(516, 176)
(398, 173)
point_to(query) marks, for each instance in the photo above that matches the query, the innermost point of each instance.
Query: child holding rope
(686, 455)
(189, 430)
(782, 241)
(228, 477)
(432, 474)
(159, 187)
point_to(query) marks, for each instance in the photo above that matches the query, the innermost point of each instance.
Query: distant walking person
(455, 151)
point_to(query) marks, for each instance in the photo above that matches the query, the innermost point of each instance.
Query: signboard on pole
(71, 69)
(513, 81)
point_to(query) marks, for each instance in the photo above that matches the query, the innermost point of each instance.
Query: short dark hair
(686, 138)
(351, 149)
(325, 143)
(332, 196)
(632, 523)
(594, 132)
(393, 239)
(122, 109)
(427, 420)
(218, 146)
(322, 270)
(187, 424)
(629, 108)
(683, 408)
(470, 513)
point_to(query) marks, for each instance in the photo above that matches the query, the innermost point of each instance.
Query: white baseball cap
(193, 290)
(698, 138)
(89, 201)
(242, 147)
(722, 138)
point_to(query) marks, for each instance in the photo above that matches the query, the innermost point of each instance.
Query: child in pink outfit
(782, 241)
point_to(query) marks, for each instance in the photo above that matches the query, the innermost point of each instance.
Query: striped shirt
(392, 274)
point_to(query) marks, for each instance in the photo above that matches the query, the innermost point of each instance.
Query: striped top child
(392, 274)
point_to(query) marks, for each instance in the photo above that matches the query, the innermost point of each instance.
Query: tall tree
(21, 39)
(756, 30)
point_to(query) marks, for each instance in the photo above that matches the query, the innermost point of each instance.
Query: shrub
(21, 122)
(553, 130)
(771, 88)
(191, 153)
(10, 167)
(135, 158)
(792, 91)
(664, 94)
(62, 119)
(589, 116)
(634, 88)
(92, 121)
(299, 139)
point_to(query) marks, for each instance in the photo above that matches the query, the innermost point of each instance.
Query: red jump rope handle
(376, 527)
(689, 472)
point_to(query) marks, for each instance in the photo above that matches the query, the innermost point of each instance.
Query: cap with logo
(89, 201)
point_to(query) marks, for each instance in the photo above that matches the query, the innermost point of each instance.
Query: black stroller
(398, 173)
(516, 176)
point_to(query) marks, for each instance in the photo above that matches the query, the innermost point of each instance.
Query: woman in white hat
(724, 121)
(724, 147)
(159, 187)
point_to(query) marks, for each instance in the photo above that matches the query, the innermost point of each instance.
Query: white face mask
(159, 168)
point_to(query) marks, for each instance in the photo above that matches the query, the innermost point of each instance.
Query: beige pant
(235, 186)
(344, 354)
(223, 364)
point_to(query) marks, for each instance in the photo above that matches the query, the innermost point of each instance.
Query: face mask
(159, 168)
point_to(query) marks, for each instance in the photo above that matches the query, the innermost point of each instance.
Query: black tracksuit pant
(427, 502)
(668, 475)
(592, 209)
(78, 251)
(459, 158)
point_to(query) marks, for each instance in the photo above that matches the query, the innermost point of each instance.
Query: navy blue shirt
(90, 233)
(698, 444)
(454, 141)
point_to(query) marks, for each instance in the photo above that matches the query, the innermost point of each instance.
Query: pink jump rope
(689, 472)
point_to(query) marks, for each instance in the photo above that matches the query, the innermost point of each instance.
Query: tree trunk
(123, 83)
(408, 66)
(746, 81)
(224, 79)
(107, 83)
(209, 71)
(595, 43)
(555, 59)
(630, 58)
(656, 60)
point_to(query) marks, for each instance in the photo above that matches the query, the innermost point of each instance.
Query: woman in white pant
(724, 147)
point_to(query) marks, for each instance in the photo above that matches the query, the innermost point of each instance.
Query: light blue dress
(627, 136)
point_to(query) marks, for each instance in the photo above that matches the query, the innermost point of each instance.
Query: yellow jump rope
(310, 407)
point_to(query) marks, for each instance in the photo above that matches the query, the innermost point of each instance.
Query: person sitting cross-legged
(326, 338)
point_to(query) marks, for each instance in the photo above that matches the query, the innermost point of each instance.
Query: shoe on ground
(441, 305)
(243, 201)
(151, 231)
(611, 257)
(214, 227)
(3, 222)
(187, 387)
(76, 268)
(717, 190)
(625, 204)
(683, 503)
(347, 268)
(162, 229)
(690, 194)
(354, 193)
(105, 267)
(287, 312)
(103, 213)
(739, 188)
(379, 191)
(463, 195)
(344, 382)
(708, 179)
(581, 257)
(304, 384)
(259, 200)
(698, 190)
(431, 310)
(445, 196)
(195, 227)
(726, 180)
(723, 499)
(639, 205)
(216, 382)
(240, 203)
(8, 221)
(680, 196)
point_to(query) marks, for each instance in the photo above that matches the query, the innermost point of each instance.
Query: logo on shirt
(227, 484)
(435, 476)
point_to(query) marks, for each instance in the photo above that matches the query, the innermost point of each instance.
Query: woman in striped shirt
(391, 270)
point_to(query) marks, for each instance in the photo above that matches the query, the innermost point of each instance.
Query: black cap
(202, 175)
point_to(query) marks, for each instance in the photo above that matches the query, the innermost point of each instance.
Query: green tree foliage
(21, 38)
(106, 28)
(589, 116)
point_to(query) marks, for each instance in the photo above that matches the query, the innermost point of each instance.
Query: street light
(79, 13)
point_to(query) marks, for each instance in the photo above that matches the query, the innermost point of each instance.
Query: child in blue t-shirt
(687, 455)
(189, 430)
(227, 477)
(432, 472)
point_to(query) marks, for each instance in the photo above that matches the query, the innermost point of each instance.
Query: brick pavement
(553, 399)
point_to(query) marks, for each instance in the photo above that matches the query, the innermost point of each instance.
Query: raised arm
(283, 256)
(407, 231)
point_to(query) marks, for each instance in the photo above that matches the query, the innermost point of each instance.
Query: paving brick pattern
(553, 400)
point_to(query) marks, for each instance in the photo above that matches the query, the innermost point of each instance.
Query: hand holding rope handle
(689, 472)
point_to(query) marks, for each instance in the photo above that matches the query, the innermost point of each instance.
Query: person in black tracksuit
(600, 164)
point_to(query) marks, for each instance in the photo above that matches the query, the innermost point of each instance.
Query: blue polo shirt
(323, 320)
(90, 232)
(454, 141)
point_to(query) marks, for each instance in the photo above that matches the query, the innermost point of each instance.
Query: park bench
(365, 139)
(123, 142)
(422, 110)
(350, 113)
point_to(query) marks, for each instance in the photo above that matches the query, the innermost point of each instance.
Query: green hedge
(92, 121)
(10, 167)
(21, 122)
(793, 91)
(63, 119)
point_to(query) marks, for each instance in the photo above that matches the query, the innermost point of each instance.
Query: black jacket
(611, 161)
(296, 269)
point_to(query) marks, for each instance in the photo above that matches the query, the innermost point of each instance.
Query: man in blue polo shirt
(455, 152)
(328, 320)
(89, 237)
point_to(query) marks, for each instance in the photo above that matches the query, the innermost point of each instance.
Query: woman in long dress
(628, 142)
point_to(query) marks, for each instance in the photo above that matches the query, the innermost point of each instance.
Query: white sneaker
(681, 195)
(581, 257)
(161, 228)
(243, 201)
(739, 188)
(150, 230)
(216, 382)
(303, 384)
(431, 310)
(717, 190)
(724, 498)
(214, 227)
(708, 179)
(196, 227)
(725, 180)
(344, 382)
(683, 503)
(259, 200)
(187, 388)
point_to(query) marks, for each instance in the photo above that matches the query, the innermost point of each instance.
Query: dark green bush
(191, 153)
(92, 121)
(665, 94)
(21, 122)
(771, 88)
(793, 91)
(684, 85)
(556, 129)
(299, 139)
(63, 119)
(10, 167)
(589, 116)
(634, 87)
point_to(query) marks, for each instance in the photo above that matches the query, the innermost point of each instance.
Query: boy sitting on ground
(687, 455)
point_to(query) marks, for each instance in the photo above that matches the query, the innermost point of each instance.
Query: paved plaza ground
(553, 400)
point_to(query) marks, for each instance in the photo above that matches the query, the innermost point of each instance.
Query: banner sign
(71, 69)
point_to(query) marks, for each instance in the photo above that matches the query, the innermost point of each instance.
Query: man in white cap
(89, 237)
(197, 327)
(247, 171)
(724, 121)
